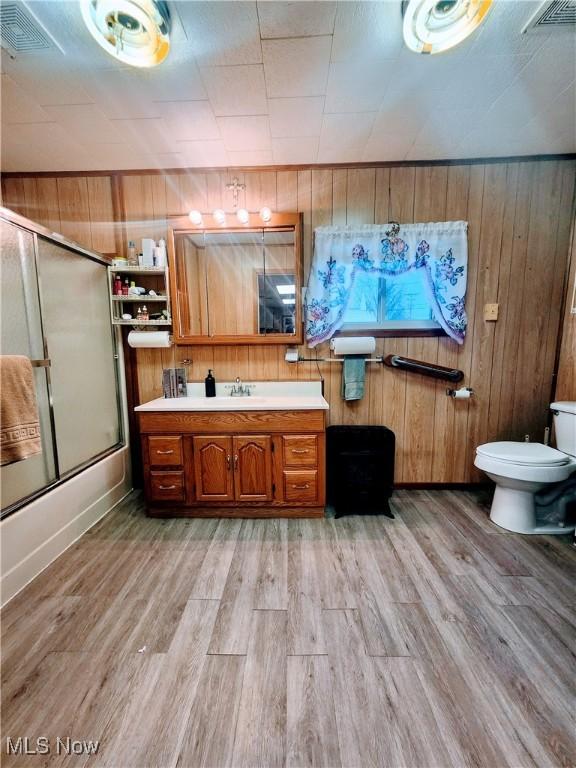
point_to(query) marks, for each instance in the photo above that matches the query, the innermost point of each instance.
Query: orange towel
(19, 423)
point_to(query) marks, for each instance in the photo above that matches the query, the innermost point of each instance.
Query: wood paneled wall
(566, 384)
(519, 218)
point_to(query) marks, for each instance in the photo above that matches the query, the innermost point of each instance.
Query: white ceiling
(267, 83)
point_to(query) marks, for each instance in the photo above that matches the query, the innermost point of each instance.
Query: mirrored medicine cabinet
(236, 284)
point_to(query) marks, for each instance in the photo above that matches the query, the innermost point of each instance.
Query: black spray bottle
(210, 384)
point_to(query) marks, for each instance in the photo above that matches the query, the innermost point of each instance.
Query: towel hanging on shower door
(20, 425)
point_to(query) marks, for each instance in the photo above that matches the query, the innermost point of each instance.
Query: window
(390, 304)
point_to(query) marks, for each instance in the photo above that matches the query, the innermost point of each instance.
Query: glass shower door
(22, 334)
(76, 318)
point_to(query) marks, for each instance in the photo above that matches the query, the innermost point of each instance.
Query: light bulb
(243, 215)
(195, 217)
(265, 213)
(219, 216)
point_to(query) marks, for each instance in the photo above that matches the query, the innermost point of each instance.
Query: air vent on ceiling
(553, 14)
(20, 31)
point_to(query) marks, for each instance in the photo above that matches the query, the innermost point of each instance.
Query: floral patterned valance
(438, 250)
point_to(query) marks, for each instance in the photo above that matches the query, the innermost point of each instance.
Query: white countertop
(265, 396)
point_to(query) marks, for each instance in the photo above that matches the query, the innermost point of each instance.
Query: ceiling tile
(448, 127)
(552, 69)
(386, 146)
(169, 83)
(358, 86)
(405, 112)
(222, 33)
(478, 83)
(255, 157)
(292, 150)
(132, 93)
(501, 31)
(86, 123)
(147, 135)
(18, 106)
(203, 153)
(190, 120)
(242, 134)
(343, 137)
(373, 28)
(300, 19)
(48, 80)
(296, 67)
(236, 90)
(119, 95)
(296, 117)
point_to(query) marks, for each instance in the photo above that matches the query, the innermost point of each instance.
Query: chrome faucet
(238, 389)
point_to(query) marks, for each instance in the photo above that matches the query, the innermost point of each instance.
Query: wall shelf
(141, 299)
(151, 279)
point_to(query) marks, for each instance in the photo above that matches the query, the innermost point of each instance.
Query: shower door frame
(37, 230)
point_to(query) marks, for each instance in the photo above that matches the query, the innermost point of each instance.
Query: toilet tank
(565, 426)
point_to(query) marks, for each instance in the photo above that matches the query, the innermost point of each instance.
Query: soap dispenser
(210, 384)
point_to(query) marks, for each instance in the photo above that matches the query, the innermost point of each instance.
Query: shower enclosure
(55, 311)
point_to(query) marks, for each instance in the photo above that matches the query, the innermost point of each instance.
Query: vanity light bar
(219, 216)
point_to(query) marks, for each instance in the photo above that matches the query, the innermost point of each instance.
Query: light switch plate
(491, 312)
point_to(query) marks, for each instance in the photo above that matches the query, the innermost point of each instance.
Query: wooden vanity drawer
(300, 450)
(300, 485)
(167, 486)
(164, 451)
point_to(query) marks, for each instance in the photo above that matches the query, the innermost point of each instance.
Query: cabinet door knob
(165, 453)
(236, 461)
(228, 462)
(166, 487)
(300, 487)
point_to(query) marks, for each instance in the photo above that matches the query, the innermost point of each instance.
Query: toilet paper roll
(462, 394)
(148, 339)
(353, 345)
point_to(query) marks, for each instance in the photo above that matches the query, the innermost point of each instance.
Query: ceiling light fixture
(137, 32)
(195, 217)
(434, 26)
(288, 301)
(286, 289)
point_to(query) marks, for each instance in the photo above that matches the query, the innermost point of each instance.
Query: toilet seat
(524, 454)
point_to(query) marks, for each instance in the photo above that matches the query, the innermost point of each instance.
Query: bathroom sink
(275, 396)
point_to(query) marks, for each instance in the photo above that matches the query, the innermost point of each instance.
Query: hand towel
(19, 423)
(353, 375)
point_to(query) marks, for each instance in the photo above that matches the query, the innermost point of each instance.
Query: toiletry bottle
(139, 313)
(210, 384)
(132, 257)
(132, 290)
(145, 315)
(125, 287)
(160, 253)
(117, 286)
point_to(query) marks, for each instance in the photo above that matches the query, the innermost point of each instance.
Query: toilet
(521, 469)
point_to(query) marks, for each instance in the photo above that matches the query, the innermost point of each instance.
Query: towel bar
(425, 369)
(336, 360)
(40, 363)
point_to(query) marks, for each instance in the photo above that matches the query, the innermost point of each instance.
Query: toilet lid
(524, 453)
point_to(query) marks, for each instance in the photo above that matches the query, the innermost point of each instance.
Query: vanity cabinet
(234, 464)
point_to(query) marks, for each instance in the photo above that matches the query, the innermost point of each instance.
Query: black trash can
(360, 469)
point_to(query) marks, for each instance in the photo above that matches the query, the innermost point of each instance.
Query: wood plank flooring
(428, 641)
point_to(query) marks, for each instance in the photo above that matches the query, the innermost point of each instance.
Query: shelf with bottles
(127, 307)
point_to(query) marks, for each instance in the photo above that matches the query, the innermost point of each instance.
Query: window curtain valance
(438, 250)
